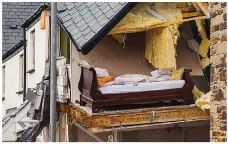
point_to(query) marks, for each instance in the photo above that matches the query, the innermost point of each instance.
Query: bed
(145, 93)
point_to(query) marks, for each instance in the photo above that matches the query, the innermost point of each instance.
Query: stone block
(219, 95)
(217, 20)
(221, 48)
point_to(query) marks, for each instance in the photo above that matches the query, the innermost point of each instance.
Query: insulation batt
(205, 62)
(138, 19)
(120, 37)
(160, 48)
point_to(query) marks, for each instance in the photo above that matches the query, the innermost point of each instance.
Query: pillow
(177, 74)
(134, 78)
(101, 72)
(155, 74)
(165, 72)
(163, 78)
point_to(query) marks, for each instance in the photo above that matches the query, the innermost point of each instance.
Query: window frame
(3, 80)
(21, 72)
(33, 48)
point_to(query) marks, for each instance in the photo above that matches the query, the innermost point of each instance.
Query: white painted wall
(12, 84)
(41, 54)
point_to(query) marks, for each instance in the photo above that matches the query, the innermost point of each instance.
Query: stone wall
(218, 71)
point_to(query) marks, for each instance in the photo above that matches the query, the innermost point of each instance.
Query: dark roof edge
(12, 50)
(108, 27)
(35, 15)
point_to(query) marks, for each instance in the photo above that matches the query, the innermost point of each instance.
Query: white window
(21, 72)
(3, 81)
(33, 43)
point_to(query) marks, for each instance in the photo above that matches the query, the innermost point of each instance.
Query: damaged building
(123, 69)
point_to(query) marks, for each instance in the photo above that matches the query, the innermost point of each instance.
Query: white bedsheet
(163, 85)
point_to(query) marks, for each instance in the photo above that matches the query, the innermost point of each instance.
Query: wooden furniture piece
(91, 95)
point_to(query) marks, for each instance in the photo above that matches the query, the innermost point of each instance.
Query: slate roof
(13, 15)
(88, 22)
(13, 113)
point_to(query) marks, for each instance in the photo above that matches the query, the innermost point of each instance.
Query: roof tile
(77, 35)
(88, 18)
(96, 27)
(106, 9)
(110, 13)
(15, 14)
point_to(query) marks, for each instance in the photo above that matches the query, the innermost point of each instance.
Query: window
(21, 72)
(3, 81)
(33, 43)
(65, 45)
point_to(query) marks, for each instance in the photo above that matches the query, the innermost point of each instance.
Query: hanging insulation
(139, 19)
(204, 47)
(160, 49)
(205, 62)
(196, 92)
(204, 101)
(201, 28)
(120, 37)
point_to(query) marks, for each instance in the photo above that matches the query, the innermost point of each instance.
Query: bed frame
(92, 96)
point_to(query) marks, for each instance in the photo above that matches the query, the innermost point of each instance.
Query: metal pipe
(53, 72)
(24, 43)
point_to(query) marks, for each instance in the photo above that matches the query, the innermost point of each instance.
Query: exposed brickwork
(218, 71)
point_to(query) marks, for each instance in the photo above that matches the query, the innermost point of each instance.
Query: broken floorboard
(108, 119)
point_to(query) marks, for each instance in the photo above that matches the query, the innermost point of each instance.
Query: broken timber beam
(149, 116)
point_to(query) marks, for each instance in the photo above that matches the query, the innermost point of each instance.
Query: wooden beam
(186, 9)
(190, 14)
(195, 6)
(190, 123)
(181, 4)
(202, 8)
(135, 118)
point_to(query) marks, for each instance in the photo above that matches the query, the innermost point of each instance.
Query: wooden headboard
(88, 81)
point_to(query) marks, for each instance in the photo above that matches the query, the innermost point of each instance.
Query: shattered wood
(105, 120)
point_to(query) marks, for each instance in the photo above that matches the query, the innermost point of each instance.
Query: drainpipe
(24, 84)
(53, 72)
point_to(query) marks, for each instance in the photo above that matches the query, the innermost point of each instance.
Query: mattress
(142, 87)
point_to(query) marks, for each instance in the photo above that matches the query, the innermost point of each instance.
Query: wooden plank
(186, 9)
(203, 9)
(144, 118)
(195, 6)
(181, 4)
(190, 123)
(190, 14)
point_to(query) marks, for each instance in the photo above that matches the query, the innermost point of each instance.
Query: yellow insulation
(160, 49)
(196, 92)
(120, 37)
(201, 28)
(177, 74)
(205, 62)
(138, 19)
(204, 47)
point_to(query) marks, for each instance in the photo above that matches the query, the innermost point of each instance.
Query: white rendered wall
(12, 99)
(41, 54)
